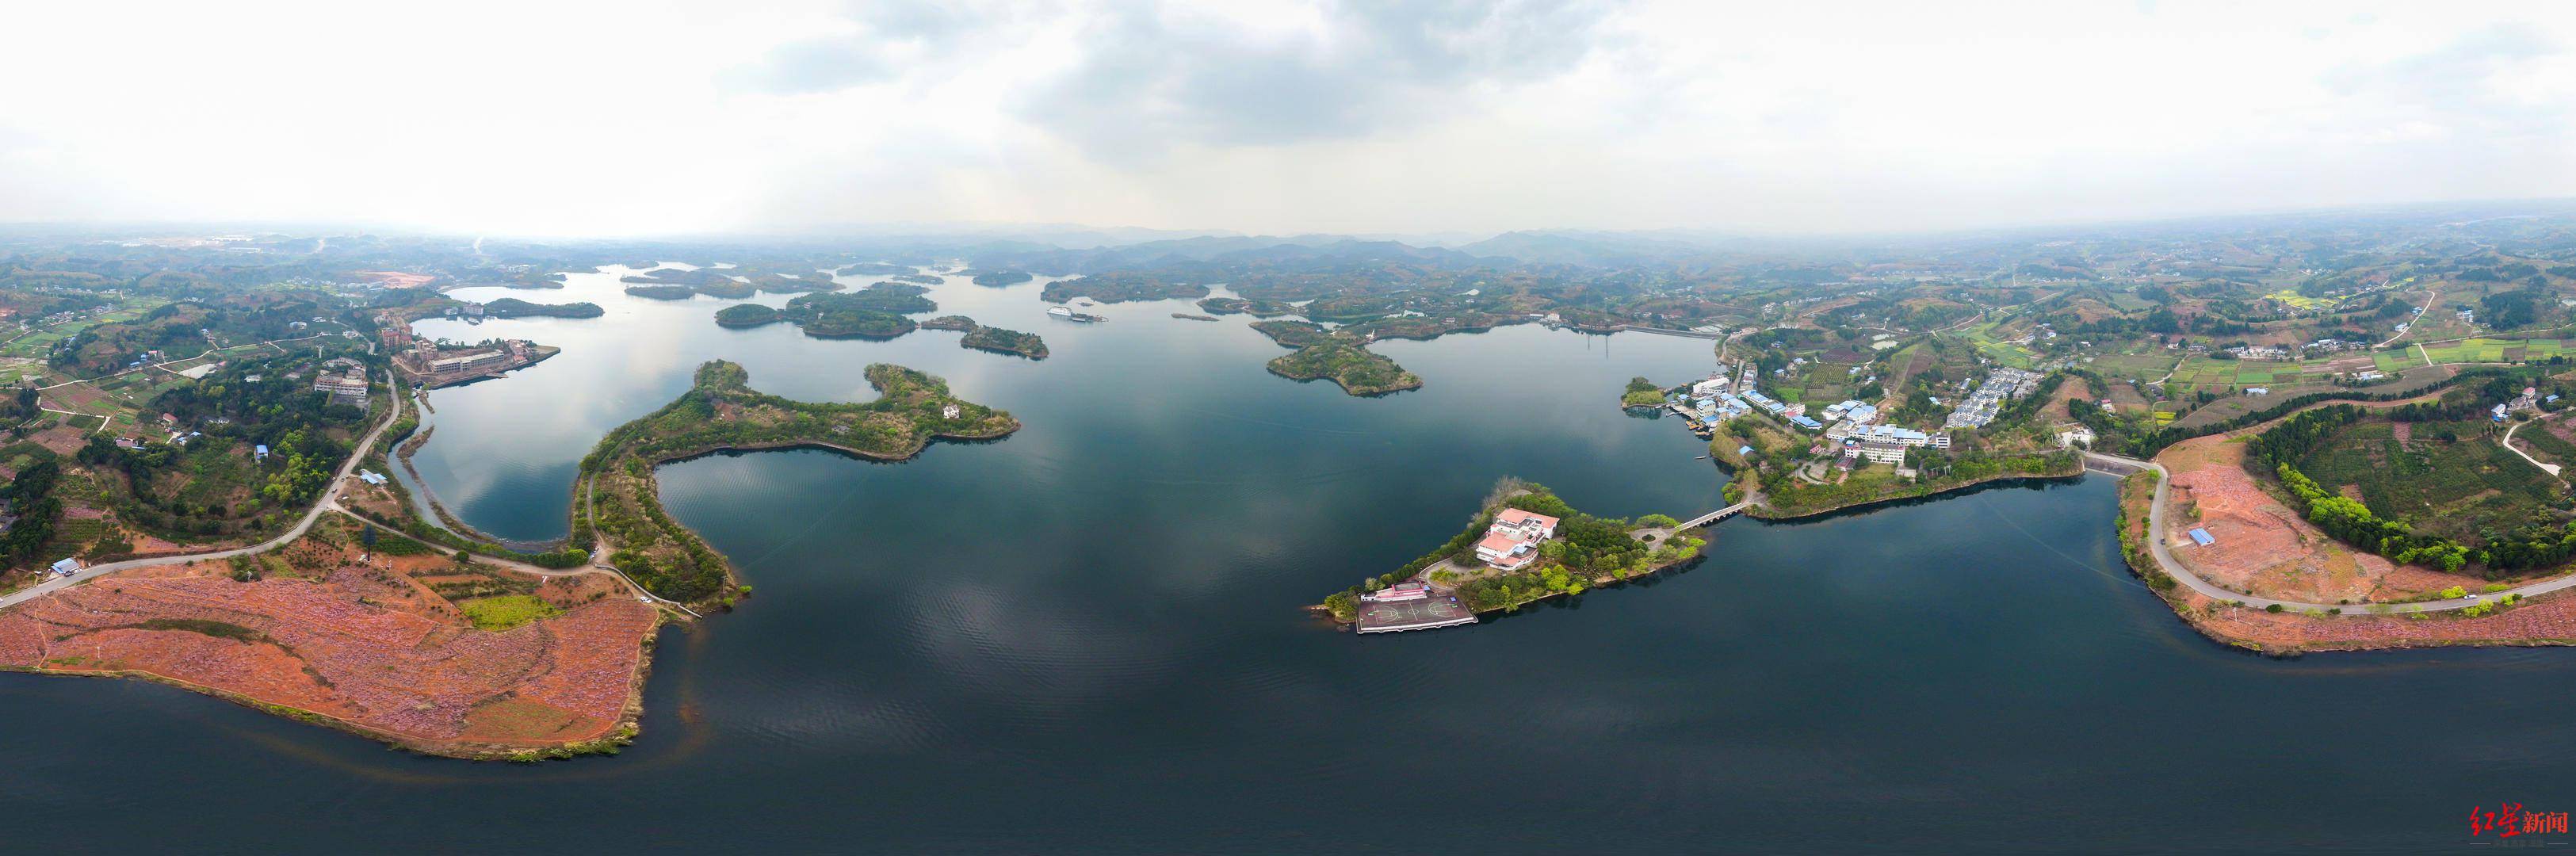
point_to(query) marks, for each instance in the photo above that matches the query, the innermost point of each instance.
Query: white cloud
(611, 117)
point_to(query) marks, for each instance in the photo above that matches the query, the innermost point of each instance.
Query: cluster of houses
(2261, 352)
(345, 380)
(2002, 385)
(178, 436)
(1512, 542)
(1887, 444)
(2529, 400)
(2293, 352)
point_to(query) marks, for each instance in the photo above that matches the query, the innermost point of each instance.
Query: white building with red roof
(1512, 542)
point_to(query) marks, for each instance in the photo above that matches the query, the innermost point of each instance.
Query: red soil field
(368, 645)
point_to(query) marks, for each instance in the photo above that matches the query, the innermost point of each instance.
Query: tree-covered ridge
(1002, 277)
(721, 411)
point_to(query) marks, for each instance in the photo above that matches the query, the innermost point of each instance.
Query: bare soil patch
(2262, 547)
(368, 644)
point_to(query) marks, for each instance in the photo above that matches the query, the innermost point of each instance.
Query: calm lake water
(1085, 638)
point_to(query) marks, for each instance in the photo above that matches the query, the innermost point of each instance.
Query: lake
(1087, 638)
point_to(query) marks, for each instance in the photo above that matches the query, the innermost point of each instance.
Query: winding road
(330, 502)
(2156, 544)
(2507, 442)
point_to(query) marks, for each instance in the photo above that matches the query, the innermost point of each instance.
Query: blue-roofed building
(259, 452)
(1741, 451)
(67, 567)
(2201, 536)
(1804, 422)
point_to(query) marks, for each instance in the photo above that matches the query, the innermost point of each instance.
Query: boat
(1070, 315)
(1059, 311)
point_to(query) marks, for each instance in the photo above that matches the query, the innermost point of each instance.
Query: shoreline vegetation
(617, 502)
(875, 312)
(1120, 288)
(494, 659)
(1336, 356)
(512, 307)
(676, 284)
(994, 339)
(1793, 498)
(1241, 306)
(1587, 552)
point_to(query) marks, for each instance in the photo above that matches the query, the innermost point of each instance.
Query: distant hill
(1582, 249)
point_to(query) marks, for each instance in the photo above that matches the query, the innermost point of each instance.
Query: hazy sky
(640, 117)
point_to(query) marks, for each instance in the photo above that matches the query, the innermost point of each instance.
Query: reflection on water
(1087, 637)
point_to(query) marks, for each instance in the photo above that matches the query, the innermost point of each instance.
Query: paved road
(328, 502)
(2164, 558)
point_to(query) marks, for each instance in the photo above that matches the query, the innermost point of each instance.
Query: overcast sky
(637, 117)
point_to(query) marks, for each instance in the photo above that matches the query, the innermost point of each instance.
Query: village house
(1512, 542)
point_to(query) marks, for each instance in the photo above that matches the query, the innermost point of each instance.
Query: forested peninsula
(617, 503)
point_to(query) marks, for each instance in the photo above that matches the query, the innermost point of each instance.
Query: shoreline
(618, 460)
(619, 733)
(2535, 621)
(1757, 510)
(538, 354)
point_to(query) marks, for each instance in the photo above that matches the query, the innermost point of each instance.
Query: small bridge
(1715, 516)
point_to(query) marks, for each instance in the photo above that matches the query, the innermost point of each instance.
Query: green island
(1003, 277)
(677, 276)
(1186, 316)
(1563, 551)
(1003, 341)
(848, 315)
(1642, 393)
(512, 307)
(919, 278)
(1240, 306)
(993, 339)
(1337, 356)
(618, 504)
(747, 315)
(662, 292)
(1119, 288)
(874, 269)
(895, 297)
(777, 283)
(729, 289)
